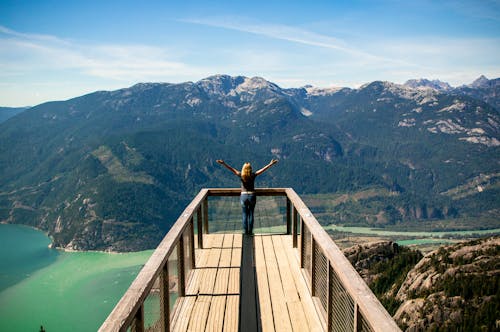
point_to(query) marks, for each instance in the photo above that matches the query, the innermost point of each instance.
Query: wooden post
(288, 219)
(294, 226)
(205, 215)
(139, 320)
(164, 300)
(200, 227)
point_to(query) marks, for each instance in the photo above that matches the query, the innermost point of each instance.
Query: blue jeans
(248, 205)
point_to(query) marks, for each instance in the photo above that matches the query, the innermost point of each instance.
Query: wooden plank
(197, 273)
(194, 282)
(233, 286)
(309, 309)
(221, 281)
(299, 320)
(225, 257)
(199, 315)
(231, 314)
(208, 281)
(237, 240)
(289, 288)
(214, 257)
(266, 309)
(236, 257)
(217, 240)
(215, 321)
(228, 241)
(280, 311)
(181, 319)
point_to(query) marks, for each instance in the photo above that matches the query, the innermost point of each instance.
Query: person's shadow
(249, 293)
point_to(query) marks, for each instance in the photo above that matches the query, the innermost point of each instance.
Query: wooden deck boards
(213, 293)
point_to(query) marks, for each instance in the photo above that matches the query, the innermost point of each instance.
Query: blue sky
(54, 50)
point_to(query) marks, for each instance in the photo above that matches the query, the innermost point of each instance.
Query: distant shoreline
(63, 249)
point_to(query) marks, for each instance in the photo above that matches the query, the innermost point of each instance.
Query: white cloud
(289, 33)
(20, 51)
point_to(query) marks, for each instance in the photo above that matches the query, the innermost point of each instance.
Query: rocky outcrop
(364, 256)
(455, 287)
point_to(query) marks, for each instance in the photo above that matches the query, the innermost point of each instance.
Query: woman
(248, 197)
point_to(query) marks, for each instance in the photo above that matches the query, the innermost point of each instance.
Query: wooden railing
(340, 294)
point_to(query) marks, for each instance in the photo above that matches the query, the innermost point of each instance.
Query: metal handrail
(367, 312)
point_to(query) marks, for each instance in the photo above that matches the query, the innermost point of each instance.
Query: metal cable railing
(342, 297)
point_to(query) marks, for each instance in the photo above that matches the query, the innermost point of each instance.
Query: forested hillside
(112, 170)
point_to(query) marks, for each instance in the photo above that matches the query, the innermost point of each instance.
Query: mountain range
(112, 170)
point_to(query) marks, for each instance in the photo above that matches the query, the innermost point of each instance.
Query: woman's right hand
(220, 161)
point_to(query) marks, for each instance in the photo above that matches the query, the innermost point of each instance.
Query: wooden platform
(213, 296)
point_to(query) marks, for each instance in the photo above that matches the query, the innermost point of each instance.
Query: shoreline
(69, 250)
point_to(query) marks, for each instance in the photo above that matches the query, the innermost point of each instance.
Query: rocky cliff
(455, 288)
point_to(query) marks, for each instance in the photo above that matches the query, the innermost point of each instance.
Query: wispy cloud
(291, 34)
(117, 62)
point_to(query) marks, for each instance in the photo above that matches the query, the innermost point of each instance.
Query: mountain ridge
(111, 170)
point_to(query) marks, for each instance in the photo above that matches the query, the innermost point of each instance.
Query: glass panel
(270, 215)
(173, 280)
(195, 229)
(152, 308)
(225, 215)
(188, 255)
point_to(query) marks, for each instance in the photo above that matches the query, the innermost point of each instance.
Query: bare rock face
(454, 287)
(364, 256)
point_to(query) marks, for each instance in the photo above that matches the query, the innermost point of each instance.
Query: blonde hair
(246, 171)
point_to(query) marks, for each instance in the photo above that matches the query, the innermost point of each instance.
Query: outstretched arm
(265, 168)
(232, 169)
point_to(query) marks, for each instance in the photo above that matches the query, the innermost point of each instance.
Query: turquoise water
(23, 250)
(424, 241)
(68, 292)
(381, 231)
